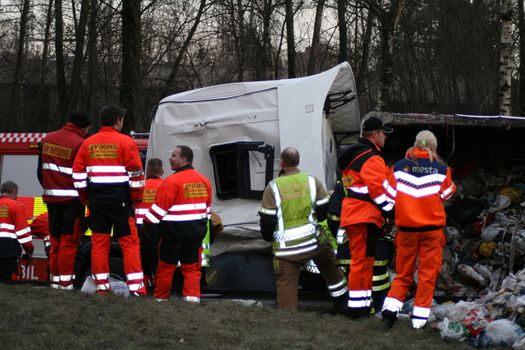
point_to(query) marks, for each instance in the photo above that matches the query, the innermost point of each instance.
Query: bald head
(290, 157)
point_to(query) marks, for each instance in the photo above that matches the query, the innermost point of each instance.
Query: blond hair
(425, 140)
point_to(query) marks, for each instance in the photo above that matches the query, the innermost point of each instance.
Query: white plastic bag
(451, 330)
(502, 333)
(117, 287)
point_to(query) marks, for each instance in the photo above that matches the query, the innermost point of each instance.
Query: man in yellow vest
(292, 207)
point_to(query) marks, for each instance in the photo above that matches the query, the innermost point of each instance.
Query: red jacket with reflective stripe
(14, 230)
(57, 153)
(108, 170)
(422, 186)
(365, 177)
(150, 191)
(182, 205)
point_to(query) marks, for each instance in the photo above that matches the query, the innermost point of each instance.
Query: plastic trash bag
(490, 233)
(117, 287)
(520, 343)
(469, 275)
(476, 321)
(502, 333)
(452, 330)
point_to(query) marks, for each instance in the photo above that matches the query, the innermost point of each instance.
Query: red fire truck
(18, 163)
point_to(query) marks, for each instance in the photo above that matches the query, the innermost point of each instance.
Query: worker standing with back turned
(55, 169)
(292, 207)
(423, 182)
(368, 201)
(108, 175)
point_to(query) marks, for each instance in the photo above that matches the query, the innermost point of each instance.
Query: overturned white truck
(236, 132)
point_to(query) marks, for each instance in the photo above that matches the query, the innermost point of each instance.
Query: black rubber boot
(389, 318)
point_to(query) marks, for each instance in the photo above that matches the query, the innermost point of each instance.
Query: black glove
(27, 258)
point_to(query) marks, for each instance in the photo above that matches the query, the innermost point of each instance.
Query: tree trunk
(290, 39)
(521, 23)
(365, 52)
(14, 119)
(311, 69)
(389, 22)
(505, 81)
(266, 48)
(343, 32)
(131, 49)
(92, 55)
(59, 53)
(80, 35)
(43, 114)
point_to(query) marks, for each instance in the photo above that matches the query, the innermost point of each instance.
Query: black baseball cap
(375, 122)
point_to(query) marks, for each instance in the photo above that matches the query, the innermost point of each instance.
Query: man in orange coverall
(14, 231)
(108, 176)
(423, 182)
(66, 213)
(368, 201)
(182, 210)
(149, 237)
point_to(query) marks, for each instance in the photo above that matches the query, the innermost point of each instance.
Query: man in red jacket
(55, 169)
(149, 237)
(108, 175)
(182, 210)
(14, 231)
(423, 182)
(364, 175)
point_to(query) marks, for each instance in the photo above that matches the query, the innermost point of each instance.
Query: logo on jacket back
(196, 189)
(420, 169)
(56, 151)
(4, 211)
(103, 150)
(149, 196)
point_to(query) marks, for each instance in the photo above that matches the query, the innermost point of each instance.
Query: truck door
(242, 169)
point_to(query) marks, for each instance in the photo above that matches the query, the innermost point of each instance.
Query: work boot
(357, 313)
(418, 323)
(389, 318)
(340, 304)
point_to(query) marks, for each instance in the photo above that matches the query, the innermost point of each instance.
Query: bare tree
(343, 30)
(78, 60)
(505, 100)
(176, 65)
(42, 93)
(14, 115)
(290, 39)
(521, 25)
(59, 65)
(389, 20)
(131, 51)
(314, 49)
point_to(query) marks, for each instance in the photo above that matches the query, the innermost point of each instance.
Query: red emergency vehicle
(18, 163)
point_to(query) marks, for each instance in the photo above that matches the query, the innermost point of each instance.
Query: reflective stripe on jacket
(108, 169)
(14, 230)
(55, 165)
(182, 205)
(151, 187)
(297, 229)
(421, 185)
(365, 177)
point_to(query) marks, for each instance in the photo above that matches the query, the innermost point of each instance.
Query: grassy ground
(36, 317)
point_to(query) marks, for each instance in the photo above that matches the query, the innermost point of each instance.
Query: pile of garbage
(495, 319)
(484, 260)
(485, 233)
